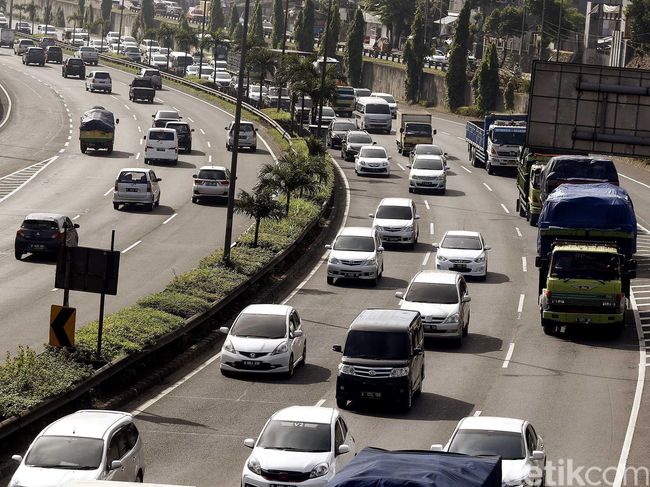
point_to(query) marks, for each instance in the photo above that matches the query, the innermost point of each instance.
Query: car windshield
(75, 62)
(360, 139)
(378, 108)
(217, 174)
(354, 243)
(159, 57)
(152, 72)
(328, 112)
(430, 164)
(418, 129)
(372, 152)
(509, 446)
(388, 98)
(508, 137)
(343, 126)
(464, 242)
(430, 150)
(243, 127)
(132, 49)
(296, 436)
(431, 292)
(161, 135)
(207, 71)
(274, 92)
(69, 452)
(167, 114)
(222, 75)
(345, 93)
(180, 128)
(388, 212)
(599, 266)
(362, 92)
(378, 345)
(132, 177)
(102, 76)
(40, 225)
(252, 325)
(584, 169)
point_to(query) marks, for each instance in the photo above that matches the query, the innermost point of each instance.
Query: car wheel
(290, 371)
(116, 206)
(489, 168)
(533, 220)
(150, 206)
(189, 149)
(304, 355)
(109, 149)
(83, 148)
(254, 148)
(195, 200)
(381, 273)
(139, 478)
(410, 190)
(87, 89)
(466, 328)
(18, 253)
(341, 403)
(407, 401)
(158, 201)
(418, 391)
(373, 282)
(226, 373)
(330, 280)
(459, 341)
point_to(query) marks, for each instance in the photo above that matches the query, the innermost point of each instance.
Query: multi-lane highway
(44, 127)
(578, 391)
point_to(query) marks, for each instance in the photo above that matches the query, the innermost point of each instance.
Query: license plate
(350, 274)
(160, 150)
(37, 246)
(282, 485)
(211, 183)
(131, 190)
(459, 268)
(390, 239)
(583, 320)
(370, 395)
(426, 183)
(251, 363)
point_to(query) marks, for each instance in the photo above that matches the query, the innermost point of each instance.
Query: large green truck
(529, 168)
(97, 130)
(585, 243)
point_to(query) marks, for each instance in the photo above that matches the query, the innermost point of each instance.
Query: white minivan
(373, 113)
(161, 145)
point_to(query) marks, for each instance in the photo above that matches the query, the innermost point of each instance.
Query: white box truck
(7, 37)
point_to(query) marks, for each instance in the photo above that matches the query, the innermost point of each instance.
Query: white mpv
(356, 253)
(161, 145)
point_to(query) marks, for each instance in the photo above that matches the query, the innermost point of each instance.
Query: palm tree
(186, 39)
(31, 10)
(287, 176)
(74, 19)
(166, 35)
(263, 61)
(258, 205)
(21, 9)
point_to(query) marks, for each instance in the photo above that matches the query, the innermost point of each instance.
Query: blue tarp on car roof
(374, 467)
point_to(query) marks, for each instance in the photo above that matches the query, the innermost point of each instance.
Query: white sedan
(372, 159)
(517, 443)
(463, 252)
(427, 172)
(265, 338)
(427, 149)
(299, 445)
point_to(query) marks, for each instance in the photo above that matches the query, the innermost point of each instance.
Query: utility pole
(205, 14)
(11, 13)
(235, 139)
(559, 31)
(523, 25)
(541, 29)
(322, 76)
(284, 48)
(119, 31)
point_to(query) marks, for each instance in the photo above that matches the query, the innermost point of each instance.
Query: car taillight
(619, 299)
(547, 294)
(148, 187)
(225, 182)
(148, 147)
(57, 235)
(115, 185)
(20, 232)
(198, 182)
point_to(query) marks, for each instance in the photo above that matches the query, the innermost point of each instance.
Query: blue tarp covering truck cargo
(596, 212)
(381, 468)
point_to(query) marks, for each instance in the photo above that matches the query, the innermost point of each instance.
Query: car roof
(45, 216)
(436, 277)
(267, 309)
(160, 112)
(395, 202)
(134, 169)
(491, 423)
(213, 168)
(357, 231)
(379, 93)
(86, 423)
(384, 320)
(430, 157)
(357, 132)
(462, 233)
(372, 99)
(310, 414)
(161, 129)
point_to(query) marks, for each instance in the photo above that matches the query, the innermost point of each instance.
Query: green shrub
(245, 260)
(28, 378)
(127, 331)
(210, 284)
(470, 111)
(174, 303)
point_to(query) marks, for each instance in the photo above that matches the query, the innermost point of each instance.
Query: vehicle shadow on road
(195, 152)
(158, 419)
(387, 282)
(303, 375)
(492, 278)
(218, 202)
(603, 337)
(427, 407)
(45, 258)
(474, 343)
(116, 154)
(160, 210)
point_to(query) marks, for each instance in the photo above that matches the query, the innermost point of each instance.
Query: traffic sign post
(100, 328)
(62, 322)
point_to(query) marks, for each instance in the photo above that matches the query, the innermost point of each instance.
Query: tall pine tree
(256, 32)
(354, 49)
(147, 12)
(233, 22)
(414, 55)
(107, 5)
(278, 24)
(456, 72)
(305, 27)
(217, 20)
(334, 32)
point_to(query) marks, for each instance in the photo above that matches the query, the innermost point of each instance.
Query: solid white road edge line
(323, 257)
(634, 180)
(147, 404)
(8, 110)
(131, 246)
(636, 404)
(170, 219)
(506, 362)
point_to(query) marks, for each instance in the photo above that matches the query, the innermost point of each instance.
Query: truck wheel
(83, 148)
(341, 403)
(519, 208)
(330, 280)
(549, 327)
(533, 219)
(109, 149)
(489, 168)
(116, 206)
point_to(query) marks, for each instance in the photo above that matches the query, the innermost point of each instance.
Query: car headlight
(384, 163)
(319, 470)
(441, 258)
(516, 483)
(228, 347)
(370, 261)
(452, 318)
(480, 258)
(362, 163)
(254, 466)
(282, 348)
(347, 369)
(399, 372)
(408, 228)
(334, 260)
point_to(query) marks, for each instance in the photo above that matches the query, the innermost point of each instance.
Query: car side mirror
(466, 299)
(343, 449)
(337, 348)
(417, 217)
(436, 447)
(487, 247)
(390, 157)
(328, 246)
(417, 351)
(445, 154)
(399, 294)
(195, 176)
(115, 465)
(17, 458)
(380, 249)
(297, 333)
(192, 130)
(436, 246)
(409, 166)
(401, 130)
(153, 116)
(158, 180)
(76, 225)
(117, 120)
(537, 455)
(249, 442)
(371, 215)
(435, 131)
(224, 330)
(374, 143)
(144, 138)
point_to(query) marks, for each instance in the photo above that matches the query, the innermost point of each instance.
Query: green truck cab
(586, 240)
(529, 167)
(97, 130)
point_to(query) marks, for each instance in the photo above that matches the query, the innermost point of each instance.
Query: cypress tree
(256, 32)
(233, 22)
(456, 73)
(414, 55)
(354, 50)
(217, 20)
(107, 5)
(59, 18)
(278, 24)
(147, 13)
(82, 7)
(305, 27)
(509, 94)
(334, 32)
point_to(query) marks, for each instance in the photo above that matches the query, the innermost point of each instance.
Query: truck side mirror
(401, 130)
(538, 262)
(435, 131)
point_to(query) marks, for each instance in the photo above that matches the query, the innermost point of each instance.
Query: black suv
(141, 89)
(34, 55)
(45, 232)
(337, 131)
(53, 54)
(184, 133)
(73, 66)
(383, 358)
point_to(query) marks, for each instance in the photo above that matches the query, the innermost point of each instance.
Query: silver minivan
(247, 136)
(161, 145)
(373, 113)
(136, 186)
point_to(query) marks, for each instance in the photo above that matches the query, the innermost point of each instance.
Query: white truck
(413, 129)
(88, 54)
(7, 37)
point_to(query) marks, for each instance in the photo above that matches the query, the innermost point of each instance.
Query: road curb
(5, 106)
